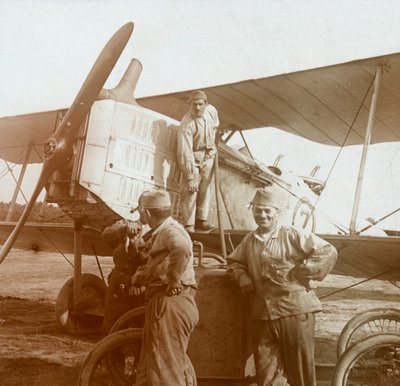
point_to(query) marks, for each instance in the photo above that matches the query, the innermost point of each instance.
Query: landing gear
(113, 361)
(373, 361)
(371, 322)
(81, 300)
(86, 315)
(131, 319)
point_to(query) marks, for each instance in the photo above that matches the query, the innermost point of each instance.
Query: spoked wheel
(87, 318)
(371, 322)
(373, 361)
(131, 319)
(113, 361)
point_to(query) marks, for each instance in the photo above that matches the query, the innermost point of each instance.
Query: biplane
(108, 147)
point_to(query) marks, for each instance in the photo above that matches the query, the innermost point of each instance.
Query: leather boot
(203, 225)
(189, 228)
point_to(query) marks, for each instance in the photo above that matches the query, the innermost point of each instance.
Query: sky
(48, 47)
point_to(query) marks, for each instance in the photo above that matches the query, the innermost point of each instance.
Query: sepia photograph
(199, 192)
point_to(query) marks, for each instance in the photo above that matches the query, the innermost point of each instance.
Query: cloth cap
(271, 196)
(154, 199)
(198, 95)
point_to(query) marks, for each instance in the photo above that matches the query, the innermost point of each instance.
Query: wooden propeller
(58, 148)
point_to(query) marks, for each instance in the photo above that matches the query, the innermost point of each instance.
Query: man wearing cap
(274, 265)
(196, 151)
(169, 281)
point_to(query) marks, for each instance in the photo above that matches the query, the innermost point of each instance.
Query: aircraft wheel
(76, 321)
(131, 319)
(373, 361)
(113, 360)
(371, 322)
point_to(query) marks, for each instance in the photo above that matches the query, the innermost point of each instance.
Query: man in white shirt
(195, 155)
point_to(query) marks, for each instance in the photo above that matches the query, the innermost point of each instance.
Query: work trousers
(195, 205)
(284, 351)
(168, 325)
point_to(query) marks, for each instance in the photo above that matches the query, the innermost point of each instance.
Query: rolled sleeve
(320, 255)
(114, 234)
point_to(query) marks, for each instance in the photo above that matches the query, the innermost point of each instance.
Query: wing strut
(77, 263)
(367, 141)
(217, 189)
(19, 182)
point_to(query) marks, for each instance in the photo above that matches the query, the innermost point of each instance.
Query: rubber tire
(104, 348)
(64, 302)
(360, 319)
(354, 352)
(131, 319)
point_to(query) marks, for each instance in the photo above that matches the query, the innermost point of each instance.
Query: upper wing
(320, 104)
(18, 132)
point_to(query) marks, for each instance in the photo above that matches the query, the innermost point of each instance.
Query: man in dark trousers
(274, 265)
(169, 282)
(196, 151)
(124, 237)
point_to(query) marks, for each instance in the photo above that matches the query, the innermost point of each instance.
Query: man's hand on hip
(174, 290)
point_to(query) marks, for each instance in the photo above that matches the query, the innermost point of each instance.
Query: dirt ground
(34, 351)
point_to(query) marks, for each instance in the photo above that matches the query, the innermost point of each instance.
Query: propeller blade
(59, 144)
(58, 148)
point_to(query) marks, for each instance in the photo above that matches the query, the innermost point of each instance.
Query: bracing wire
(388, 169)
(15, 180)
(55, 246)
(8, 168)
(336, 224)
(346, 137)
(341, 227)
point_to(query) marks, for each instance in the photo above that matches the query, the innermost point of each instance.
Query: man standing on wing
(274, 265)
(196, 150)
(169, 281)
